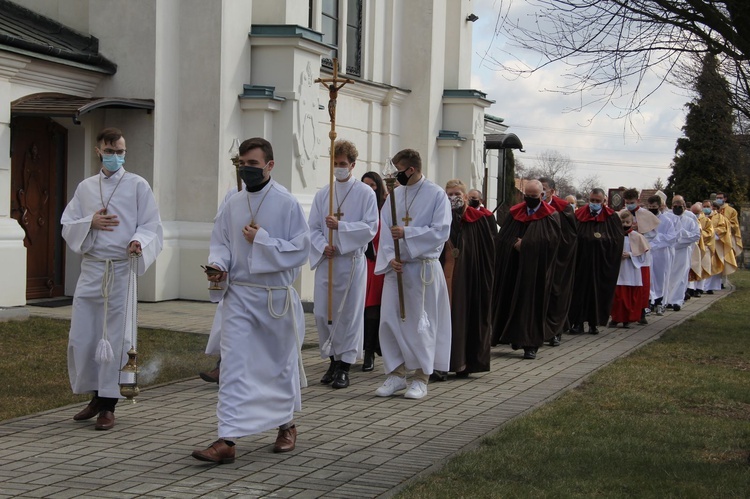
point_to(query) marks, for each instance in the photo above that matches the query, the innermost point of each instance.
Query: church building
(183, 79)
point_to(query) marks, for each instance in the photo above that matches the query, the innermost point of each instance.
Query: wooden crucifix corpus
(333, 85)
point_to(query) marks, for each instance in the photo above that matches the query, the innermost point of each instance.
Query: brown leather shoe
(219, 453)
(210, 376)
(89, 411)
(285, 440)
(105, 421)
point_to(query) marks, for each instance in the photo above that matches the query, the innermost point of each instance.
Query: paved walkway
(351, 443)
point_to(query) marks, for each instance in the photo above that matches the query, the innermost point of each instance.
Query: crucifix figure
(406, 220)
(333, 85)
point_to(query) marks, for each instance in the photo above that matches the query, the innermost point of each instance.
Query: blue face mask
(706, 211)
(112, 162)
(720, 202)
(631, 207)
(595, 206)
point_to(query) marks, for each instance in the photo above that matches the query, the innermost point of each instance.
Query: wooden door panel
(37, 183)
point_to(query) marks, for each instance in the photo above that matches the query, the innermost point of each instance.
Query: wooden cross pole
(333, 85)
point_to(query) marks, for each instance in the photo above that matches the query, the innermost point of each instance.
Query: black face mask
(474, 203)
(678, 210)
(655, 211)
(252, 176)
(531, 203)
(626, 228)
(402, 178)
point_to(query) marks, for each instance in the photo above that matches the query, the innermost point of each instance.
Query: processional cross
(333, 85)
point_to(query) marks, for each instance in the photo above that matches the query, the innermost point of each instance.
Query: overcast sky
(598, 144)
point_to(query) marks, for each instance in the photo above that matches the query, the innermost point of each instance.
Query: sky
(621, 154)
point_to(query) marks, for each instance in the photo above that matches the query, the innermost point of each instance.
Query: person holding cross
(354, 224)
(421, 341)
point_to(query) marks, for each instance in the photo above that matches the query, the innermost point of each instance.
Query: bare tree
(611, 46)
(557, 166)
(659, 184)
(587, 184)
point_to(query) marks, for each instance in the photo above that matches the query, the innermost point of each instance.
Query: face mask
(112, 162)
(706, 211)
(456, 201)
(655, 211)
(544, 195)
(572, 205)
(341, 173)
(627, 228)
(720, 202)
(595, 206)
(402, 177)
(252, 176)
(474, 203)
(531, 203)
(631, 207)
(678, 210)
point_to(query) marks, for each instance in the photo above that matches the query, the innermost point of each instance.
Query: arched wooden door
(38, 166)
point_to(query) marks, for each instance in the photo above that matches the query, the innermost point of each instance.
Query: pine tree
(707, 158)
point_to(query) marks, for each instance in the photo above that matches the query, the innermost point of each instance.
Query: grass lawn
(670, 420)
(33, 363)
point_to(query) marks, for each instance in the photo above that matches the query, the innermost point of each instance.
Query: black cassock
(468, 262)
(599, 252)
(562, 286)
(524, 279)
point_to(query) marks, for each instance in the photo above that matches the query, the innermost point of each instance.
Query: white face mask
(341, 173)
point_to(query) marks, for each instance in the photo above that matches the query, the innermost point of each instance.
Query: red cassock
(374, 282)
(627, 305)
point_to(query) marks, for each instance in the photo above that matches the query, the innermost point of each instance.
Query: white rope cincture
(275, 315)
(326, 348)
(104, 353)
(424, 322)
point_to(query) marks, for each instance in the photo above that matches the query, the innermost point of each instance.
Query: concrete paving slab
(351, 443)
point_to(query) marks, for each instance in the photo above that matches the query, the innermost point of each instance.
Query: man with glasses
(111, 216)
(600, 242)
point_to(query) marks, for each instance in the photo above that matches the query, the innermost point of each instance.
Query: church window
(341, 25)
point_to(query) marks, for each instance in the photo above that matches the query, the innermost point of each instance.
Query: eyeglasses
(110, 152)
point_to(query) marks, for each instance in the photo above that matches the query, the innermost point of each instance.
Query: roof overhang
(69, 106)
(502, 141)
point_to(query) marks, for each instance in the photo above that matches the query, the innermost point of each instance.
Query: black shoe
(626, 325)
(555, 341)
(439, 376)
(340, 379)
(462, 374)
(369, 362)
(670, 306)
(643, 320)
(593, 330)
(529, 353)
(328, 376)
(723, 287)
(709, 292)
(612, 324)
(576, 329)
(676, 308)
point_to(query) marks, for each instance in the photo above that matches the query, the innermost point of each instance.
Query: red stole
(520, 213)
(583, 214)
